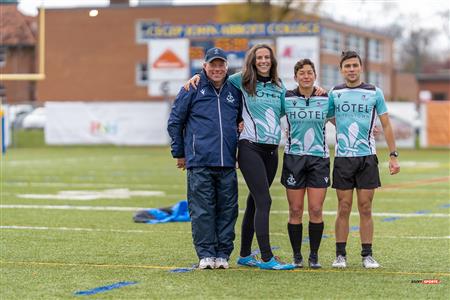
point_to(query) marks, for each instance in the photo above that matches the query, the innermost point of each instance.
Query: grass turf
(97, 248)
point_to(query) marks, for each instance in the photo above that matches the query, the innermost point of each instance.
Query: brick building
(102, 58)
(17, 53)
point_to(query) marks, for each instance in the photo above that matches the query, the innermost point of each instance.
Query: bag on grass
(176, 213)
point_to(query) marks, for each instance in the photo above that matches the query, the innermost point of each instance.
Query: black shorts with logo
(356, 172)
(302, 171)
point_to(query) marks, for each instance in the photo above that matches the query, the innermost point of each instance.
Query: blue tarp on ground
(177, 213)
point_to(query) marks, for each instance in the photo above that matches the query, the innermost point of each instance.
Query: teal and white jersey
(261, 113)
(356, 110)
(306, 118)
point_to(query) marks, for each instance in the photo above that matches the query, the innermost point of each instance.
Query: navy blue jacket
(203, 124)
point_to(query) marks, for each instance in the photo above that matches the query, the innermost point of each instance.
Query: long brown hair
(249, 71)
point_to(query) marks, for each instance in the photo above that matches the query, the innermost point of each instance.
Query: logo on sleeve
(202, 91)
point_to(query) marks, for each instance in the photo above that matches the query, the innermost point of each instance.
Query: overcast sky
(364, 13)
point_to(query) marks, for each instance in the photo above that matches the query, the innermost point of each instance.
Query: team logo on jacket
(230, 98)
(326, 179)
(294, 102)
(291, 180)
(364, 97)
(202, 91)
(339, 95)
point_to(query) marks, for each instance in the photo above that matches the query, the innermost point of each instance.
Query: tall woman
(306, 163)
(258, 149)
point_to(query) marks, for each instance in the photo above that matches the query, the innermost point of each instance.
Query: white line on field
(284, 212)
(181, 185)
(182, 232)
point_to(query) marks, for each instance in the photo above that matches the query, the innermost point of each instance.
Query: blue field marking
(181, 270)
(255, 252)
(102, 289)
(447, 205)
(354, 228)
(184, 270)
(422, 212)
(390, 219)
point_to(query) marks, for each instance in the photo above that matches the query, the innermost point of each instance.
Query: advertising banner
(168, 66)
(292, 49)
(124, 123)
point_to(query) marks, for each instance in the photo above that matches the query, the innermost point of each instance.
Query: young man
(203, 128)
(355, 105)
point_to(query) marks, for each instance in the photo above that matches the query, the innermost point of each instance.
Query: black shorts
(302, 171)
(356, 172)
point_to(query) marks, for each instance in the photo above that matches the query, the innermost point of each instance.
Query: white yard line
(284, 212)
(44, 228)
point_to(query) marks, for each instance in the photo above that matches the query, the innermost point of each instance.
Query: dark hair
(249, 72)
(301, 63)
(349, 54)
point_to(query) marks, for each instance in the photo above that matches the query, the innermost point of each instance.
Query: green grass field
(49, 253)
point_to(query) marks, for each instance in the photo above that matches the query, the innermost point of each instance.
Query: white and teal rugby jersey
(261, 113)
(356, 110)
(306, 118)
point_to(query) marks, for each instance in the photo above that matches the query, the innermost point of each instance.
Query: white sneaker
(340, 262)
(370, 263)
(206, 263)
(221, 263)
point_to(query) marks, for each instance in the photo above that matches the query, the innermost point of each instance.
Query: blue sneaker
(275, 264)
(248, 261)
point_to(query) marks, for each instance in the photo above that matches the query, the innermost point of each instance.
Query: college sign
(150, 30)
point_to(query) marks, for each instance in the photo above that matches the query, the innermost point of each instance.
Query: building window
(142, 74)
(331, 40)
(330, 76)
(355, 43)
(376, 79)
(439, 96)
(2, 56)
(375, 50)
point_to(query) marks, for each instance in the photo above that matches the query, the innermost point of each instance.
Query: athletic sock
(295, 236)
(366, 250)
(315, 237)
(340, 249)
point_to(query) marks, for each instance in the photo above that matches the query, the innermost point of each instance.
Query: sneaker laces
(340, 259)
(370, 259)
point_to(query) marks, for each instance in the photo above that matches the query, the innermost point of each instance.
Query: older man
(203, 128)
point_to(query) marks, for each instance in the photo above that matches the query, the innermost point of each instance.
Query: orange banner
(438, 123)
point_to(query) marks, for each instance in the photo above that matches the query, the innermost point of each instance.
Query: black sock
(340, 249)
(366, 250)
(315, 237)
(295, 236)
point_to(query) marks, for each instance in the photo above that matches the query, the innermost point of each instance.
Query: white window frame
(355, 43)
(376, 50)
(377, 79)
(331, 40)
